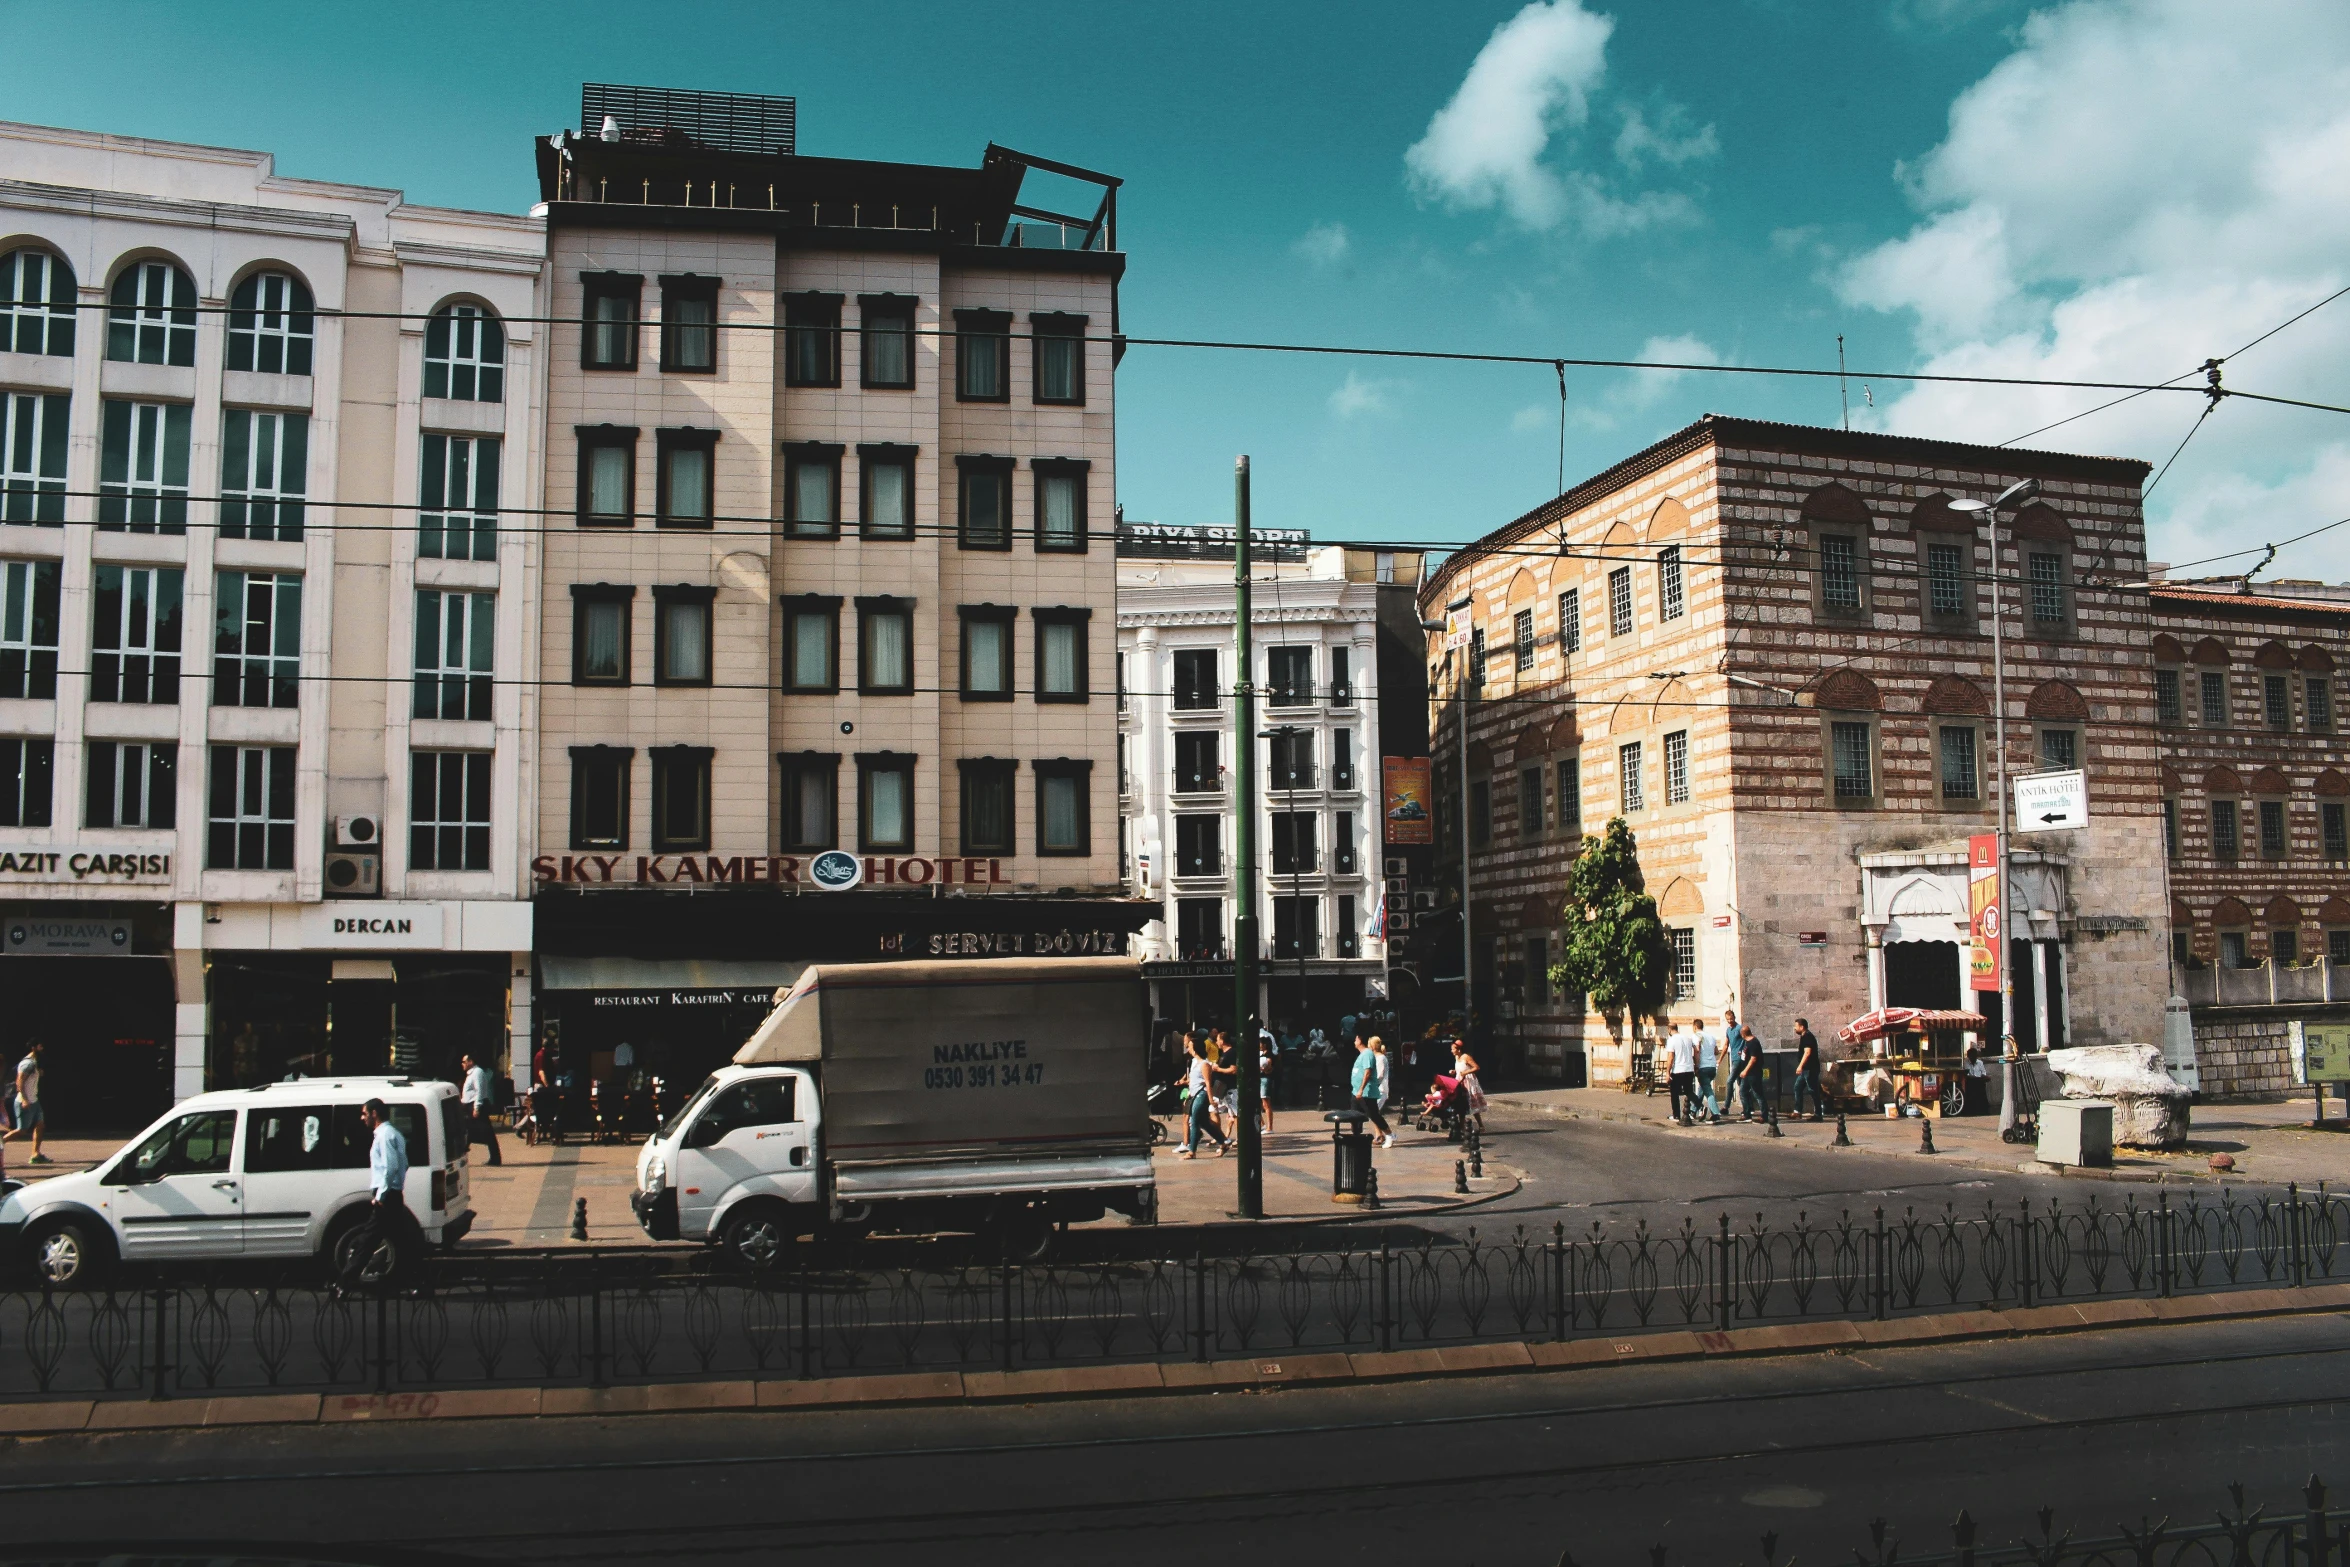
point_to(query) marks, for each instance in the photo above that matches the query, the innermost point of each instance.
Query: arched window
(153, 316)
(269, 325)
(36, 303)
(465, 355)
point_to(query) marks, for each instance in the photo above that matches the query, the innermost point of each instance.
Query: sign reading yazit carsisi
(83, 865)
(831, 870)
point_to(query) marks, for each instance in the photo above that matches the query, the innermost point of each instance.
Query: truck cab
(742, 1152)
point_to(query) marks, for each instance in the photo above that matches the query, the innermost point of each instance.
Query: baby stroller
(1446, 1108)
(1164, 1101)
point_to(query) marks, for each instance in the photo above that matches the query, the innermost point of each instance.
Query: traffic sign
(2052, 802)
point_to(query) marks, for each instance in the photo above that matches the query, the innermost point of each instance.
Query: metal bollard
(579, 1219)
(1925, 1135)
(1460, 1178)
(1371, 1187)
(1476, 1153)
(1842, 1139)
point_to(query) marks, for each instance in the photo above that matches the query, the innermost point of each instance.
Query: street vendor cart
(1912, 1056)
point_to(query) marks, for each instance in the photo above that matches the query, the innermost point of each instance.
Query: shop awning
(759, 976)
(1894, 1020)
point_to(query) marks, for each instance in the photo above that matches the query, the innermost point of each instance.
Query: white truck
(1000, 1096)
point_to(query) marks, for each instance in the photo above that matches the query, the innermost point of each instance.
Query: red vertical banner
(1985, 919)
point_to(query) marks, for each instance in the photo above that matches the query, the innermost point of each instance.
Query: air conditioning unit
(350, 874)
(359, 832)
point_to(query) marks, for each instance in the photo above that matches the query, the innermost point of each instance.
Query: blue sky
(2093, 189)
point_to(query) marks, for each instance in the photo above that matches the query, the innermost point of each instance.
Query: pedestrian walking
(479, 1098)
(389, 1223)
(1199, 1081)
(1807, 1070)
(30, 1113)
(1368, 1086)
(1750, 1073)
(1464, 1067)
(1266, 1056)
(1708, 1063)
(1681, 1069)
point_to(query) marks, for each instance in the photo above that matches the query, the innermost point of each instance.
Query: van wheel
(357, 1254)
(67, 1254)
(1027, 1235)
(759, 1236)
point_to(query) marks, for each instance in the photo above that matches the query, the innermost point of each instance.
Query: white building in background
(1314, 629)
(266, 663)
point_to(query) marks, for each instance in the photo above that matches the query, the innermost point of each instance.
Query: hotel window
(1291, 765)
(2224, 837)
(449, 811)
(1677, 767)
(1064, 809)
(2060, 749)
(1522, 640)
(608, 338)
(811, 339)
(1852, 771)
(264, 473)
(983, 356)
(983, 513)
(1342, 758)
(33, 430)
(1342, 842)
(131, 784)
(269, 325)
(1297, 927)
(987, 651)
(25, 782)
(885, 801)
(599, 796)
(887, 349)
(600, 634)
(1960, 778)
(457, 498)
(1342, 685)
(689, 324)
(2273, 840)
(36, 304)
(1061, 654)
(251, 821)
(1629, 797)
(2334, 827)
(684, 465)
(152, 315)
(1669, 592)
(28, 629)
(1570, 788)
(681, 797)
(1195, 680)
(1570, 622)
(811, 795)
(811, 489)
(885, 476)
(2276, 701)
(2168, 709)
(1840, 574)
(811, 643)
(1199, 767)
(1060, 505)
(465, 355)
(1530, 817)
(2317, 696)
(1946, 581)
(2170, 829)
(1619, 602)
(1293, 843)
(142, 467)
(681, 635)
(1684, 962)
(455, 633)
(607, 476)
(257, 639)
(1059, 346)
(2213, 689)
(1289, 673)
(2045, 573)
(986, 790)
(135, 634)
(1199, 846)
(1348, 935)
(885, 646)
(1199, 929)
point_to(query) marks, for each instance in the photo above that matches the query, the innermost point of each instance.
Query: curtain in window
(1060, 658)
(990, 803)
(890, 503)
(1059, 524)
(601, 630)
(811, 651)
(608, 482)
(614, 322)
(812, 788)
(689, 482)
(812, 493)
(885, 350)
(987, 654)
(887, 806)
(685, 636)
(889, 659)
(1061, 817)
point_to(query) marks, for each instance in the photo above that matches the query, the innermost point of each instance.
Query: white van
(276, 1171)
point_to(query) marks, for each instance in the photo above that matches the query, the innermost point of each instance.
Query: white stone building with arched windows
(268, 479)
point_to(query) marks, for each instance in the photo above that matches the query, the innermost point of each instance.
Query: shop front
(93, 982)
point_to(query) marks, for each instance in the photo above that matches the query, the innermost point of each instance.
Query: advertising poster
(1407, 807)
(1984, 918)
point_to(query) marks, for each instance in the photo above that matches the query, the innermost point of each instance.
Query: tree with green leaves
(1616, 952)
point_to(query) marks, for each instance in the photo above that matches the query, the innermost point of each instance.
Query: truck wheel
(67, 1254)
(1026, 1235)
(758, 1235)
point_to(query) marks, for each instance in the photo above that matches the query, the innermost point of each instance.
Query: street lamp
(1461, 689)
(2015, 494)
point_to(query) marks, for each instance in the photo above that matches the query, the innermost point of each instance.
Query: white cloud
(1534, 79)
(1638, 392)
(1324, 245)
(1357, 396)
(2074, 224)
(1667, 141)
(1535, 416)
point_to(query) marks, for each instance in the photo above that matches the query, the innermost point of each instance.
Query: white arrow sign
(2052, 802)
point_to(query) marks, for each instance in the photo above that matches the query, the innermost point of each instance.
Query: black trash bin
(1350, 1156)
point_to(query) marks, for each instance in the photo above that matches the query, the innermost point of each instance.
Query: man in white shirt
(480, 1098)
(1708, 1063)
(30, 1113)
(1681, 1064)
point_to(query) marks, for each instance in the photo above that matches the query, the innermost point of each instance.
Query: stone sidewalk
(2272, 1143)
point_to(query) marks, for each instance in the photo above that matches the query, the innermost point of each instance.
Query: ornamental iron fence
(595, 1318)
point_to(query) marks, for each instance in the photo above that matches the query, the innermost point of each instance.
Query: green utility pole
(1244, 859)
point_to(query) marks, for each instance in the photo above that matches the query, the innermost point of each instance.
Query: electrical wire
(2182, 446)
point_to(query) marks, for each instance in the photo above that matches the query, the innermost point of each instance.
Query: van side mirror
(705, 1132)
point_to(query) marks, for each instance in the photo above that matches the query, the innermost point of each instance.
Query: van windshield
(670, 1126)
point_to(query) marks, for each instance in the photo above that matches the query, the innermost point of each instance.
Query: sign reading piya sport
(1404, 784)
(1983, 922)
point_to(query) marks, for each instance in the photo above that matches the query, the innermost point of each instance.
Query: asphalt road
(2109, 1428)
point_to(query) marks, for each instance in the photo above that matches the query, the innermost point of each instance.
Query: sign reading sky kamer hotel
(831, 871)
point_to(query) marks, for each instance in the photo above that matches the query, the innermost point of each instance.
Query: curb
(1356, 1214)
(84, 1416)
